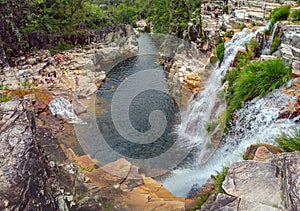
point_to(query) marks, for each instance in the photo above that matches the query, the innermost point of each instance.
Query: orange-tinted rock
(86, 161)
(260, 152)
(193, 82)
(293, 110)
(42, 100)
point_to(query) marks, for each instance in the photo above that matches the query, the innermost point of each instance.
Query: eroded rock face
(272, 185)
(289, 48)
(23, 179)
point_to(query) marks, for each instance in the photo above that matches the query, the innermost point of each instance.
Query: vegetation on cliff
(256, 79)
(60, 18)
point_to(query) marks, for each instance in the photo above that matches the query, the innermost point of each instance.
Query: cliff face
(44, 40)
(24, 184)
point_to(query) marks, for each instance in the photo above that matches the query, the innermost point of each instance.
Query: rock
(23, 178)
(272, 185)
(296, 68)
(267, 57)
(260, 152)
(290, 39)
(193, 82)
(85, 87)
(85, 161)
(289, 164)
(292, 110)
(262, 184)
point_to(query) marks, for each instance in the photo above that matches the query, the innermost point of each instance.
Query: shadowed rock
(23, 178)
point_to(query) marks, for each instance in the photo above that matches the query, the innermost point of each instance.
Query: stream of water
(258, 121)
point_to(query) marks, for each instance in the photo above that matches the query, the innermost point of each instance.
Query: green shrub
(280, 13)
(5, 98)
(60, 47)
(296, 15)
(220, 49)
(290, 142)
(243, 59)
(200, 201)
(256, 79)
(219, 179)
(241, 27)
(276, 43)
(229, 34)
(253, 48)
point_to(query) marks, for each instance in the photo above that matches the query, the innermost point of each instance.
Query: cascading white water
(257, 122)
(267, 48)
(61, 106)
(194, 120)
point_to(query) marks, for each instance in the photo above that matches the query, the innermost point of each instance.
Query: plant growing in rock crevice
(220, 49)
(290, 142)
(276, 43)
(277, 14)
(212, 190)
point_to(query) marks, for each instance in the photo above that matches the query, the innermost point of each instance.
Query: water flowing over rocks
(252, 185)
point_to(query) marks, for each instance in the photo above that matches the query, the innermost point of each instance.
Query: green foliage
(5, 98)
(211, 126)
(60, 47)
(247, 156)
(107, 206)
(219, 179)
(296, 15)
(27, 84)
(4, 87)
(226, 9)
(88, 169)
(256, 79)
(213, 191)
(220, 49)
(242, 26)
(229, 34)
(253, 48)
(243, 60)
(200, 201)
(9, 52)
(276, 43)
(290, 142)
(280, 13)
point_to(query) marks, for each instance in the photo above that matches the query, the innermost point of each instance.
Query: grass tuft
(256, 79)
(290, 142)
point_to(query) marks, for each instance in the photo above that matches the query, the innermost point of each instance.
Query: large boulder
(252, 185)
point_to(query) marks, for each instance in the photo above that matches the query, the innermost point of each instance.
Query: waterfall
(267, 48)
(257, 122)
(192, 130)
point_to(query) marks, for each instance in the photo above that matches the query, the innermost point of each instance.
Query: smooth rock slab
(272, 185)
(255, 181)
